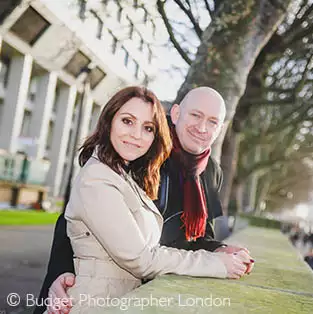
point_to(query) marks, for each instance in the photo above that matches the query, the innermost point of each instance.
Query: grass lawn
(27, 217)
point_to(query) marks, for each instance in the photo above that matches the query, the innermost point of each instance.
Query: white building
(44, 45)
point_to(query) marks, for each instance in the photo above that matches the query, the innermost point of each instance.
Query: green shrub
(261, 221)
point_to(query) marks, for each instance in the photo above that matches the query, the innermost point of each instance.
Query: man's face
(198, 122)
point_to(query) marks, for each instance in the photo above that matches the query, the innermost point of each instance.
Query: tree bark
(237, 196)
(229, 157)
(228, 164)
(229, 48)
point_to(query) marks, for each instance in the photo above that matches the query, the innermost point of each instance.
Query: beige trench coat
(114, 230)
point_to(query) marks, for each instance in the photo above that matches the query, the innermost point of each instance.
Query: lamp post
(84, 71)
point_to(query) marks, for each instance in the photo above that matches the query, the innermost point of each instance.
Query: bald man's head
(198, 119)
(205, 96)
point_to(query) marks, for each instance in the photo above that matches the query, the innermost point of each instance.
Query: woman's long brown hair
(146, 169)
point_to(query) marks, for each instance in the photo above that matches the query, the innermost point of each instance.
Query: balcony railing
(20, 169)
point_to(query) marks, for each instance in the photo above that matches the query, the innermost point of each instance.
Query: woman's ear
(175, 111)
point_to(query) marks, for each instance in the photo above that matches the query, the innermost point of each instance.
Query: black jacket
(170, 205)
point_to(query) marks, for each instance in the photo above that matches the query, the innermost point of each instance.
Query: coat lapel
(143, 197)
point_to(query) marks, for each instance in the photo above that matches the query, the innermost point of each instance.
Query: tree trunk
(262, 194)
(228, 164)
(230, 150)
(252, 185)
(229, 48)
(237, 196)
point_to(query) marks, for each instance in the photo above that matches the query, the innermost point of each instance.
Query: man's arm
(207, 242)
(61, 260)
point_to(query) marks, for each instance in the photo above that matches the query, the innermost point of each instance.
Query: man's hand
(230, 249)
(59, 301)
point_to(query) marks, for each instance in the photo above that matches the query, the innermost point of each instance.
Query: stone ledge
(281, 282)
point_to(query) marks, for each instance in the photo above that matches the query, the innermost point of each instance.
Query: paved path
(24, 253)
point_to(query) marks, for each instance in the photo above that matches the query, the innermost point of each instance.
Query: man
(188, 195)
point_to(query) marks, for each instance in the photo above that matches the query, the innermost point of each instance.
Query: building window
(146, 80)
(32, 89)
(113, 9)
(136, 39)
(132, 66)
(119, 13)
(122, 55)
(76, 108)
(142, 14)
(30, 26)
(141, 44)
(1, 108)
(4, 72)
(96, 76)
(99, 24)
(146, 51)
(56, 99)
(50, 135)
(26, 123)
(131, 29)
(145, 17)
(113, 42)
(140, 75)
(94, 117)
(126, 56)
(114, 45)
(77, 62)
(137, 71)
(150, 56)
(82, 9)
(69, 142)
(153, 29)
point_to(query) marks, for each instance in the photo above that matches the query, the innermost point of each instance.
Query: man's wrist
(220, 248)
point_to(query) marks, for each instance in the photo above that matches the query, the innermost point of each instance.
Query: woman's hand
(237, 264)
(247, 259)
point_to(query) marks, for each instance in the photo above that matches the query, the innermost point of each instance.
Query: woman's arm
(110, 219)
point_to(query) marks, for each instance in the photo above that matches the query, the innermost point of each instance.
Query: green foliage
(261, 221)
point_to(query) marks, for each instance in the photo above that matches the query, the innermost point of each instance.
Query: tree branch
(208, 7)
(266, 165)
(298, 36)
(297, 22)
(286, 183)
(286, 121)
(181, 51)
(299, 86)
(265, 102)
(191, 17)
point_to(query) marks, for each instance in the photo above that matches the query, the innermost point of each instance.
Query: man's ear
(175, 111)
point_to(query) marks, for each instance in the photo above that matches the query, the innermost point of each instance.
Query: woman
(113, 224)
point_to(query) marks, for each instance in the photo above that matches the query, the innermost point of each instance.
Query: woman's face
(133, 129)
